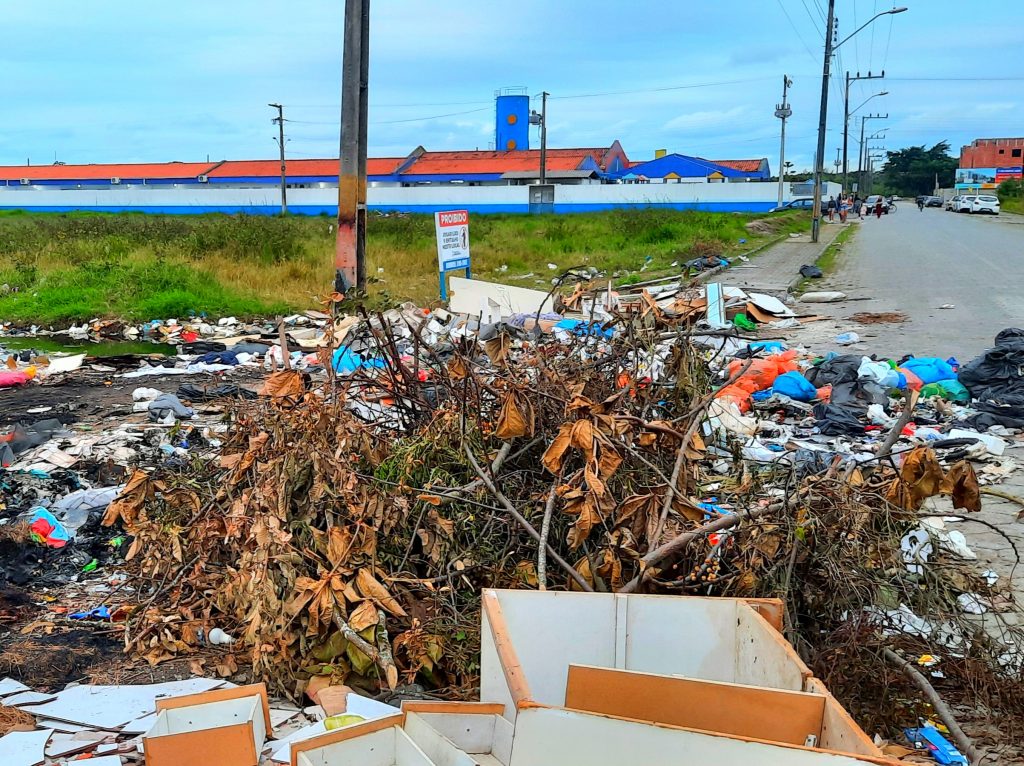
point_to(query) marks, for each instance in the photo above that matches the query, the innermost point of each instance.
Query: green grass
(1012, 205)
(70, 267)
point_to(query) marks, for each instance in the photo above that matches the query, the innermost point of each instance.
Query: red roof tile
(746, 166)
(375, 166)
(103, 172)
(488, 162)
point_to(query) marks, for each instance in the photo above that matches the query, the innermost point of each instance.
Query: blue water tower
(512, 124)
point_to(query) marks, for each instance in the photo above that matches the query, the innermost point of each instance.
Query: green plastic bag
(741, 322)
(952, 390)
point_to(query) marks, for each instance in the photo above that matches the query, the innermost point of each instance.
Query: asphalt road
(913, 262)
(916, 261)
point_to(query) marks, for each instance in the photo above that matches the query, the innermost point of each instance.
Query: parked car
(951, 203)
(963, 205)
(985, 203)
(871, 201)
(800, 203)
(933, 201)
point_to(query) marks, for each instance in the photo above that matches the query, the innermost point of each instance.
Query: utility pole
(350, 246)
(783, 112)
(542, 120)
(819, 157)
(862, 156)
(846, 114)
(544, 137)
(280, 145)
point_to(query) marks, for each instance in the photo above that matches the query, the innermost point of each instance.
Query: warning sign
(452, 228)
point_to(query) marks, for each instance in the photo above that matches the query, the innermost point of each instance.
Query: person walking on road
(844, 208)
(858, 207)
(831, 208)
(920, 204)
(878, 208)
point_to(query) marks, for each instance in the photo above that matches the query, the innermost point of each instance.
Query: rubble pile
(335, 522)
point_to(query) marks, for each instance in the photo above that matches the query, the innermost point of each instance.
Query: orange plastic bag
(739, 393)
(913, 382)
(763, 372)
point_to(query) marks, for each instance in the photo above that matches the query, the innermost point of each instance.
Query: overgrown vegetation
(68, 267)
(1011, 196)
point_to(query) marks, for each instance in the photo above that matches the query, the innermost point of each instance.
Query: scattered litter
(831, 296)
(847, 338)
(809, 271)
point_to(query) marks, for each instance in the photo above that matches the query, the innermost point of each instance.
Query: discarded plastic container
(847, 338)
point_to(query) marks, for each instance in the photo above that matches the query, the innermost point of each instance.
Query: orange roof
(103, 172)
(454, 163)
(745, 166)
(375, 166)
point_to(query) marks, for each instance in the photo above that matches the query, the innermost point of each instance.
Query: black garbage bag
(811, 272)
(203, 347)
(836, 420)
(838, 369)
(194, 393)
(998, 374)
(858, 394)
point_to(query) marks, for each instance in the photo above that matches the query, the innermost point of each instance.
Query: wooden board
(747, 711)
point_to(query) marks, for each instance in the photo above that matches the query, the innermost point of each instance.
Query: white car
(951, 204)
(963, 205)
(985, 203)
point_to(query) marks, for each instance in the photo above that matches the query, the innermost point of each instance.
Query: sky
(127, 81)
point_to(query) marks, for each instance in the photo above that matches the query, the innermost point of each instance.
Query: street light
(883, 93)
(823, 114)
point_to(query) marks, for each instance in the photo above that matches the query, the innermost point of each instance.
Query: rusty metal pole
(350, 246)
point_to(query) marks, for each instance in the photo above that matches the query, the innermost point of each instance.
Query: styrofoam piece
(24, 748)
(367, 708)
(279, 715)
(387, 747)
(9, 686)
(28, 698)
(139, 725)
(63, 726)
(468, 296)
(770, 304)
(111, 707)
(64, 364)
(65, 744)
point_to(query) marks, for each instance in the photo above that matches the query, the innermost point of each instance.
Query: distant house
(679, 168)
(754, 170)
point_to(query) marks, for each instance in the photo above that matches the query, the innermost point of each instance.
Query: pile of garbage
(340, 521)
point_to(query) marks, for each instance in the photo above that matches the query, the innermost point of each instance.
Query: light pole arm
(891, 12)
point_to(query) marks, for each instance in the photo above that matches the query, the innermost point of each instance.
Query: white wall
(750, 197)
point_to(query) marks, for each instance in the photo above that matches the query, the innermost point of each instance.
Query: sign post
(452, 229)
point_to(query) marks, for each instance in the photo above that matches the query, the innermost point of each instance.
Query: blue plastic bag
(795, 386)
(929, 369)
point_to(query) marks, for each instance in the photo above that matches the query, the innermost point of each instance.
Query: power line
(663, 89)
(799, 36)
(888, 42)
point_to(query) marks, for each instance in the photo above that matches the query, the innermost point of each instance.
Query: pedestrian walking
(878, 208)
(831, 208)
(858, 207)
(844, 208)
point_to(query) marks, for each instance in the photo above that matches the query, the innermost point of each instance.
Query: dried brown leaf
(368, 585)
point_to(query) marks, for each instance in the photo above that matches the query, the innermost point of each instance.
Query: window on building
(1015, 152)
(1002, 151)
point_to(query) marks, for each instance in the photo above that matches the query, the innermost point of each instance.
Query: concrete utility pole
(819, 157)
(830, 48)
(280, 145)
(544, 137)
(847, 113)
(783, 112)
(862, 154)
(350, 246)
